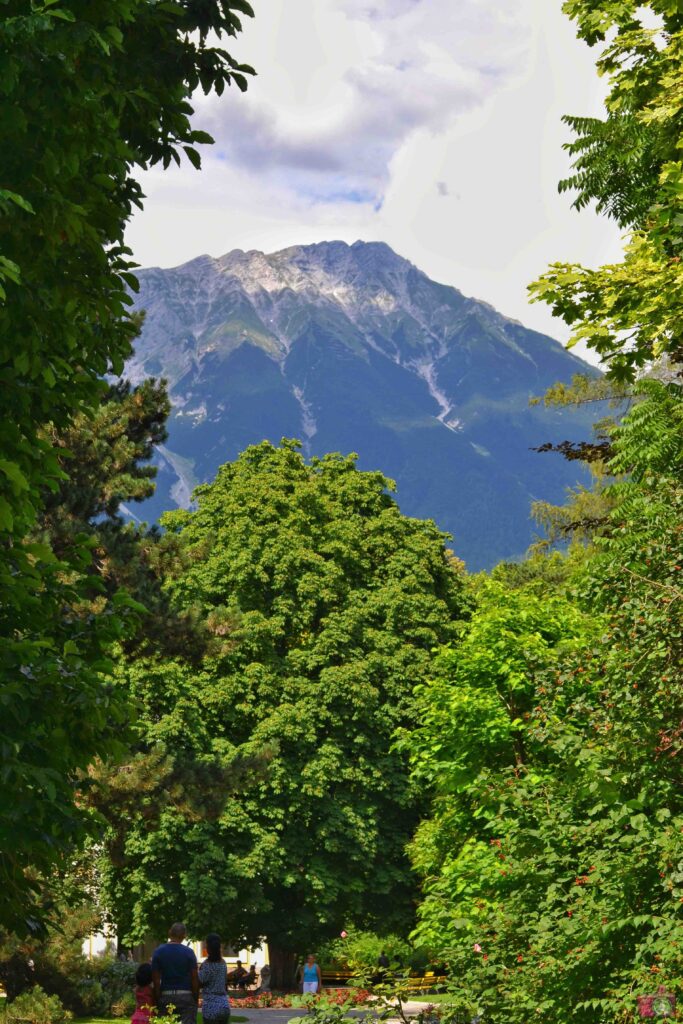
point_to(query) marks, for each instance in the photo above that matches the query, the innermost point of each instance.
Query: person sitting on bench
(238, 976)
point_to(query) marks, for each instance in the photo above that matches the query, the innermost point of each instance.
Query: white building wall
(99, 944)
(104, 944)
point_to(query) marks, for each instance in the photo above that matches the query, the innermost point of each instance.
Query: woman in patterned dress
(213, 978)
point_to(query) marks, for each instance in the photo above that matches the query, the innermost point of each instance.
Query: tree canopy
(90, 92)
(629, 164)
(322, 602)
(552, 861)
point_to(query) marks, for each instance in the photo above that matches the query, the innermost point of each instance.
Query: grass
(435, 997)
(96, 1020)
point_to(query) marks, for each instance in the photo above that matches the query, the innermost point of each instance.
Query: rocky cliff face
(352, 348)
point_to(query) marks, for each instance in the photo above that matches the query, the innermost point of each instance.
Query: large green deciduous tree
(553, 862)
(90, 92)
(323, 603)
(629, 164)
(553, 881)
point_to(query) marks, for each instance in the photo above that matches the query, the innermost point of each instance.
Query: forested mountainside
(352, 348)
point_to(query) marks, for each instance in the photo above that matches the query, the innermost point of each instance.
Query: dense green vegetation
(266, 712)
(89, 92)
(629, 165)
(551, 735)
(552, 860)
(321, 603)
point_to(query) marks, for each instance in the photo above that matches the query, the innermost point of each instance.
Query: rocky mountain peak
(352, 348)
(344, 274)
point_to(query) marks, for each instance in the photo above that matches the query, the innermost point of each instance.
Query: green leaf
(63, 15)
(14, 197)
(193, 156)
(15, 475)
(6, 516)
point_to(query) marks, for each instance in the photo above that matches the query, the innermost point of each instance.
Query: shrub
(37, 1007)
(124, 1006)
(117, 978)
(88, 987)
(360, 950)
(100, 986)
(321, 1011)
(54, 960)
(92, 997)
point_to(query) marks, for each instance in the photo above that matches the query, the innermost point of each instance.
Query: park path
(281, 1016)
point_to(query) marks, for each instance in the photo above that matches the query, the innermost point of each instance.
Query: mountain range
(351, 348)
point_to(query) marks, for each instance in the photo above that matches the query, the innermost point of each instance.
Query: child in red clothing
(144, 995)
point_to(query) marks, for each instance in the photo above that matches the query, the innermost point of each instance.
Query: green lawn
(435, 997)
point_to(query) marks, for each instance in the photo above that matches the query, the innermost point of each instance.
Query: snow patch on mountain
(426, 369)
(309, 427)
(198, 414)
(186, 481)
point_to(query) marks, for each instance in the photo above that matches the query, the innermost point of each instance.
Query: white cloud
(433, 125)
(398, 66)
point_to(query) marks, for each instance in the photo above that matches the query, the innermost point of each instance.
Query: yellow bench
(428, 981)
(334, 977)
(420, 983)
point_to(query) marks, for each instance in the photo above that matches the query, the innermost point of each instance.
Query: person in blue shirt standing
(174, 976)
(313, 981)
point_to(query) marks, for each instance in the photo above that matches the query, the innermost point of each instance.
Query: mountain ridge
(353, 348)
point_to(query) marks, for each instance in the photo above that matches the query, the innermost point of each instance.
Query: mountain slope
(352, 348)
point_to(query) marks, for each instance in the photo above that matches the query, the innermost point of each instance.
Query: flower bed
(339, 996)
(282, 1000)
(261, 1001)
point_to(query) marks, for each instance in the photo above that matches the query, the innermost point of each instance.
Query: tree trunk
(283, 963)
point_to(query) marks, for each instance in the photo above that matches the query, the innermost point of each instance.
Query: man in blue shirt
(174, 976)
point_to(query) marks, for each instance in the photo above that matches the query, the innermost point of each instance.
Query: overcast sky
(433, 125)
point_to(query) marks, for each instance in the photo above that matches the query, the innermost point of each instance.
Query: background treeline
(293, 712)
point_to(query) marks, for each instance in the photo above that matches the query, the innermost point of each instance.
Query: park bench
(335, 976)
(427, 982)
(423, 983)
